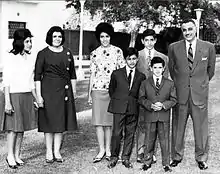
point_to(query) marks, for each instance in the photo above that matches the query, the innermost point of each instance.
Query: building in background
(38, 16)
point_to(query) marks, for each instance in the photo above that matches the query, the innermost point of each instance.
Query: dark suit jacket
(124, 100)
(195, 81)
(166, 95)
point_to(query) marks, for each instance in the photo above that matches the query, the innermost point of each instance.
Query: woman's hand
(40, 101)
(8, 108)
(89, 99)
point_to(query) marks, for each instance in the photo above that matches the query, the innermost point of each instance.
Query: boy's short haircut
(130, 51)
(149, 32)
(157, 60)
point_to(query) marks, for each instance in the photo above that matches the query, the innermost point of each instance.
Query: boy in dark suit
(157, 95)
(123, 90)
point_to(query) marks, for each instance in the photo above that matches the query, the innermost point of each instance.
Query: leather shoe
(167, 169)
(98, 159)
(59, 160)
(175, 163)
(140, 158)
(11, 166)
(127, 163)
(112, 163)
(202, 165)
(146, 167)
(49, 161)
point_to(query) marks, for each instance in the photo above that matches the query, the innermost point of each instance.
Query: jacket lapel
(125, 73)
(198, 53)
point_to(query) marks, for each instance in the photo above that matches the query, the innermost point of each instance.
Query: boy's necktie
(157, 83)
(190, 56)
(129, 77)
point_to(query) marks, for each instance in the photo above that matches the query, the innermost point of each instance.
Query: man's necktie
(149, 54)
(190, 56)
(157, 83)
(129, 77)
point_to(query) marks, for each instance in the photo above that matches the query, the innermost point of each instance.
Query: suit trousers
(128, 123)
(140, 139)
(199, 115)
(162, 129)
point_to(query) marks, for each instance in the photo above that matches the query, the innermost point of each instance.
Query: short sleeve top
(103, 62)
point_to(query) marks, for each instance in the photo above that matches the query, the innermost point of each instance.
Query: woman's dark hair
(49, 37)
(104, 27)
(18, 43)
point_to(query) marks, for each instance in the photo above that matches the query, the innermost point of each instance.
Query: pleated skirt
(100, 102)
(24, 117)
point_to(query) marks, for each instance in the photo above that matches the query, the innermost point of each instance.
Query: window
(12, 26)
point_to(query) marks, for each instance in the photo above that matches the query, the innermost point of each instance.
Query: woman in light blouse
(19, 94)
(104, 60)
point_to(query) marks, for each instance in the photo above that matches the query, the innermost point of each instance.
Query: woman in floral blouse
(104, 60)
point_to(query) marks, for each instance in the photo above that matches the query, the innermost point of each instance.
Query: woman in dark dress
(55, 81)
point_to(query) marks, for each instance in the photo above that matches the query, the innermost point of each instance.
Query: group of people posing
(131, 92)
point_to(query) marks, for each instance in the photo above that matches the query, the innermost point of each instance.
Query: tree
(163, 12)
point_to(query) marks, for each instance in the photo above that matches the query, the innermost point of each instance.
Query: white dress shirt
(193, 47)
(132, 74)
(18, 72)
(155, 79)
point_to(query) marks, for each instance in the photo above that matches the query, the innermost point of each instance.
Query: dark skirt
(24, 117)
(100, 102)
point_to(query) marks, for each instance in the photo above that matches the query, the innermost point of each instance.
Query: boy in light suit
(123, 90)
(157, 96)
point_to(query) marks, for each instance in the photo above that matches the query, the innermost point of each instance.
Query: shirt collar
(193, 43)
(128, 69)
(160, 78)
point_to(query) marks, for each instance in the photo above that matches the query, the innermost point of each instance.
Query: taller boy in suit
(149, 40)
(123, 90)
(157, 96)
(192, 66)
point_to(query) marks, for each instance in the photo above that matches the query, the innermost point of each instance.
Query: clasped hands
(157, 106)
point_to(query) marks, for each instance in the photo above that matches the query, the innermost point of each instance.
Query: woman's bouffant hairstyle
(104, 27)
(49, 37)
(18, 43)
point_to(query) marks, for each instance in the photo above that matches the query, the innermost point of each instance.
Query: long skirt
(100, 102)
(24, 117)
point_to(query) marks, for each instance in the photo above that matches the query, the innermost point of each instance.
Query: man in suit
(123, 90)
(149, 40)
(157, 95)
(192, 66)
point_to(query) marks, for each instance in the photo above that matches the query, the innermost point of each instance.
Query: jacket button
(66, 86)
(67, 69)
(66, 98)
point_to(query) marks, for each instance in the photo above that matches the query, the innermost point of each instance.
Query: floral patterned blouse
(103, 62)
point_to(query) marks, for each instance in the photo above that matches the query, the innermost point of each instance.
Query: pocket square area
(204, 58)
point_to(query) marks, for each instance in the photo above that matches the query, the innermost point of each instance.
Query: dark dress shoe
(108, 158)
(202, 165)
(175, 163)
(112, 163)
(127, 163)
(140, 158)
(98, 159)
(146, 167)
(19, 164)
(11, 166)
(49, 161)
(167, 169)
(59, 160)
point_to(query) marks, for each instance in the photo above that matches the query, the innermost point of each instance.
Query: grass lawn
(80, 147)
